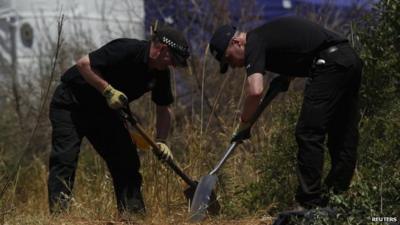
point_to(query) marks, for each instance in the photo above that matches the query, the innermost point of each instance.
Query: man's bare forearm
(92, 77)
(254, 90)
(163, 124)
(250, 106)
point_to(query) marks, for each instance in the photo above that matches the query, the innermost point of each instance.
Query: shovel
(203, 196)
(189, 192)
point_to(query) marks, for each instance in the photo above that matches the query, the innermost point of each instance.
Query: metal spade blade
(202, 196)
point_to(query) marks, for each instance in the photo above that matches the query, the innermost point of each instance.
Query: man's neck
(152, 55)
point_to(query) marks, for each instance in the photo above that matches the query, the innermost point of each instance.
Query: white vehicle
(29, 27)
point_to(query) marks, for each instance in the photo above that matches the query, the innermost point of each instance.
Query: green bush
(376, 184)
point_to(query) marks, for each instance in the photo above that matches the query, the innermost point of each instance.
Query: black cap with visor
(219, 43)
(175, 41)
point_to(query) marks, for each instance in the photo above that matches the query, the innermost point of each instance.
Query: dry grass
(94, 202)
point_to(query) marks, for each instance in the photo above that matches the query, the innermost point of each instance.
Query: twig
(42, 107)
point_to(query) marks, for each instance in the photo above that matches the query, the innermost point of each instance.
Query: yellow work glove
(115, 99)
(242, 132)
(166, 152)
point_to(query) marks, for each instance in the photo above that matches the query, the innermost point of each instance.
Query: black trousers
(107, 134)
(330, 108)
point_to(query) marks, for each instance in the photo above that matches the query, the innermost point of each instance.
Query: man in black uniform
(83, 106)
(293, 46)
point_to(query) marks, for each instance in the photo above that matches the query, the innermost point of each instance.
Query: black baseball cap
(219, 43)
(175, 41)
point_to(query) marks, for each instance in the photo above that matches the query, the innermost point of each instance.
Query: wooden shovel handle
(127, 116)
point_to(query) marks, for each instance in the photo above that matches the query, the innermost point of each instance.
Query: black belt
(322, 55)
(329, 50)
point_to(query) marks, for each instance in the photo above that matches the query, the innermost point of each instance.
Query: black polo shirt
(123, 63)
(286, 46)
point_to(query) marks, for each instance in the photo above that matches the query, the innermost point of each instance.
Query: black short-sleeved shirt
(123, 64)
(286, 46)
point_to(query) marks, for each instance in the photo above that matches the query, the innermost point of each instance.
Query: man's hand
(242, 132)
(166, 152)
(115, 99)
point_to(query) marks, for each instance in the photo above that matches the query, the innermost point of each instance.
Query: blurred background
(259, 180)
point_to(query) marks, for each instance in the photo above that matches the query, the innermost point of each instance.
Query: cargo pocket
(63, 97)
